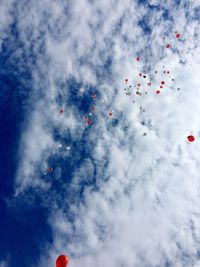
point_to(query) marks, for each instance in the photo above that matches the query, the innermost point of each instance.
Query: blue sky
(129, 181)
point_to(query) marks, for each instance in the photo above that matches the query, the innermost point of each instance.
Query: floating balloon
(61, 110)
(126, 80)
(50, 170)
(158, 92)
(138, 58)
(162, 82)
(89, 122)
(62, 261)
(110, 114)
(167, 45)
(177, 35)
(190, 138)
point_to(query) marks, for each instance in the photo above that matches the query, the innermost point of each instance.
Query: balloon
(158, 92)
(177, 35)
(168, 46)
(50, 170)
(62, 261)
(190, 138)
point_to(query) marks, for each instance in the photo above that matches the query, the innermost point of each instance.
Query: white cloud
(6, 18)
(144, 207)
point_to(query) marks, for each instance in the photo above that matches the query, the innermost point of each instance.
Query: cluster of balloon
(191, 138)
(62, 261)
(93, 108)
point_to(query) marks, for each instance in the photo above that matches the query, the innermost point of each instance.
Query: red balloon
(62, 261)
(168, 46)
(190, 138)
(158, 92)
(162, 82)
(177, 35)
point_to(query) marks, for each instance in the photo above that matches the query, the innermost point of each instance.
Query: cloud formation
(124, 199)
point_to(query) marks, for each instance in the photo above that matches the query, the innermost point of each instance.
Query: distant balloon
(126, 80)
(190, 138)
(89, 122)
(61, 110)
(49, 169)
(138, 58)
(177, 35)
(62, 261)
(162, 82)
(167, 45)
(158, 92)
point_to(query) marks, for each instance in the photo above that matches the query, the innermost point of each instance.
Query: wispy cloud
(133, 199)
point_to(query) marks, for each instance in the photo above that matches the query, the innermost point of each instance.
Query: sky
(97, 100)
